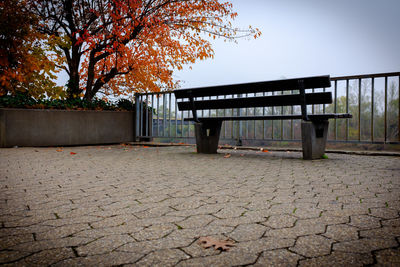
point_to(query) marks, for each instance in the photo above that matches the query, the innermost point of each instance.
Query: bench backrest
(189, 97)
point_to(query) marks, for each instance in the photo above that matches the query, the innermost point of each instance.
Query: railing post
(137, 118)
(239, 129)
(372, 108)
(347, 109)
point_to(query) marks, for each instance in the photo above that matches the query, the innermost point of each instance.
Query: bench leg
(207, 136)
(313, 137)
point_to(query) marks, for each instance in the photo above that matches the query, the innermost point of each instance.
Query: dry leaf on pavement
(227, 156)
(208, 241)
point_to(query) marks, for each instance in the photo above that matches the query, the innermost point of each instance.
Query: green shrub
(21, 100)
(125, 104)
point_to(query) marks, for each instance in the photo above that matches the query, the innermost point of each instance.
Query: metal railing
(372, 99)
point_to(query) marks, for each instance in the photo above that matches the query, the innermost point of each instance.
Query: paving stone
(164, 257)
(24, 230)
(384, 232)
(10, 256)
(364, 222)
(247, 218)
(202, 210)
(208, 230)
(101, 232)
(12, 240)
(341, 232)
(108, 259)
(104, 245)
(279, 257)
(263, 244)
(388, 257)
(391, 222)
(229, 258)
(195, 250)
(365, 245)
(245, 232)
(62, 231)
(155, 221)
(154, 232)
(230, 212)
(113, 221)
(338, 258)
(312, 246)
(331, 205)
(72, 220)
(145, 247)
(153, 212)
(37, 246)
(46, 257)
(189, 204)
(301, 228)
(384, 213)
(196, 221)
(280, 221)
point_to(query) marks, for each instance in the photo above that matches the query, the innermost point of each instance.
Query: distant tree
(25, 65)
(120, 46)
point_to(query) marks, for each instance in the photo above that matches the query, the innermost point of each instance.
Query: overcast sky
(304, 38)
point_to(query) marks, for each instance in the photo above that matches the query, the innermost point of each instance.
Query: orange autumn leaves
(117, 47)
(25, 64)
(136, 45)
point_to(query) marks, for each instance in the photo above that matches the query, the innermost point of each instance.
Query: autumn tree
(121, 46)
(25, 66)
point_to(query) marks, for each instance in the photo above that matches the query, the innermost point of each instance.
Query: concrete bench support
(207, 136)
(314, 135)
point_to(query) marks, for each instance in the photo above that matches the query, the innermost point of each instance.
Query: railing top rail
(366, 76)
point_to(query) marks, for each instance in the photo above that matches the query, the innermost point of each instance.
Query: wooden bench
(314, 127)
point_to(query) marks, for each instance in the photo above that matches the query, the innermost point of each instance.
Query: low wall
(45, 127)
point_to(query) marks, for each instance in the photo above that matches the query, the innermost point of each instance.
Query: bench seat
(313, 117)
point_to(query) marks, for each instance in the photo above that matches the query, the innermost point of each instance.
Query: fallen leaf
(145, 146)
(181, 143)
(265, 150)
(208, 241)
(227, 156)
(59, 149)
(72, 153)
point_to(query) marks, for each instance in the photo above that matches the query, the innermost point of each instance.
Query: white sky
(304, 38)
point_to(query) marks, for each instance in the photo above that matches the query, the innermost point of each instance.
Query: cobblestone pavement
(147, 206)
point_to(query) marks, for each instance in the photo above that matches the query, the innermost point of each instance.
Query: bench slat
(265, 101)
(255, 87)
(274, 117)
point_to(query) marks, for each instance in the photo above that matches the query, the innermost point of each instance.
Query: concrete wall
(36, 127)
